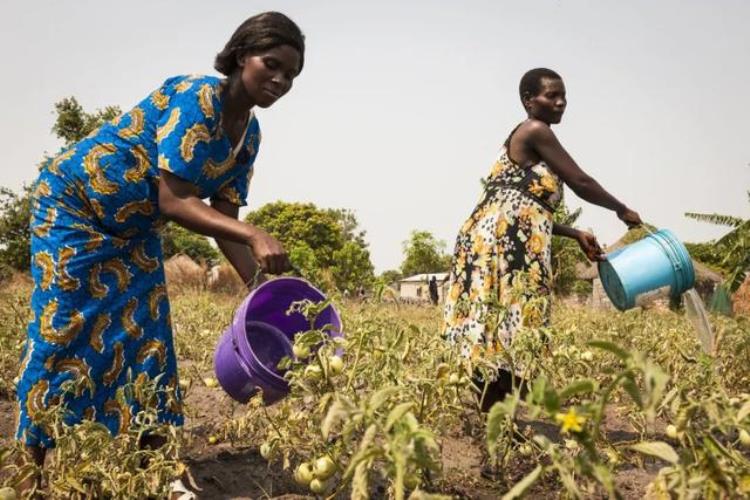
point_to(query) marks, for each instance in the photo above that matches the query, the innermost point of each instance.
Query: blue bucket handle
(672, 256)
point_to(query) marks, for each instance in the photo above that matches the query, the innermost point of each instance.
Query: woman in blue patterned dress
(100, 309)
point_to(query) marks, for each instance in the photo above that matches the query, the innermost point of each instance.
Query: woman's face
(549, 105)
(268, 75)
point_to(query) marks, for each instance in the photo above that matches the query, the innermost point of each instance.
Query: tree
(566, 254)
(175, 239)
(71, 125)
(294, 223)
(14, 230)
(352, 267)
(349, 225)
(732, 249)
(423, 253)
(390, 276)
(324, 244)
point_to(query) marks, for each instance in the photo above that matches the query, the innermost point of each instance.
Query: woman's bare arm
(177, 202)
(239, 255)
(543, 141)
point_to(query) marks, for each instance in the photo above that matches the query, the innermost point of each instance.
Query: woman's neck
(237, 103)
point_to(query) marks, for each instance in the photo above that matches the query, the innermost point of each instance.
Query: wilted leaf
(338, 412)
(519, 489)
(611, 347)
(578, 387)
(422, 495)
(396, 413)
(657, 449)
(743, 412)
(380, 397)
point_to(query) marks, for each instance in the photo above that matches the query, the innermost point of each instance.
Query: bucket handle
(293, 270)
(676, 264)
(236, 349)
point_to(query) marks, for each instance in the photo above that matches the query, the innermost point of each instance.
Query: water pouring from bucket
(263, 332)
(659, 262)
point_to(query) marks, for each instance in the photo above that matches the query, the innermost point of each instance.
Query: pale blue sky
(402, 105)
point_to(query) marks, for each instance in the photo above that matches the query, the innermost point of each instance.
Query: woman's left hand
(590, 246)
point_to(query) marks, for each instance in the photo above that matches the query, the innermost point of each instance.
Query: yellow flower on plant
(570, 421)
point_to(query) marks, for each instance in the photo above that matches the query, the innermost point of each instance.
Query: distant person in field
(433, 286)
(100, 307)
(508, 236)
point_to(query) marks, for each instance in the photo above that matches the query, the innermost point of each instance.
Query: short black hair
(261, 32)
(531, 81)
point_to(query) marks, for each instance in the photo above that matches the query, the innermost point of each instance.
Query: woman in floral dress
(101, 315)
(505, 245)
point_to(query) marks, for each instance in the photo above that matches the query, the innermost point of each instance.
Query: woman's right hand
(269, 253)
(630, 217)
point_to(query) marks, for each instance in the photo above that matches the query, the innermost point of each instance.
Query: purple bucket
(271, 300)
(261, 319)
(246, 360)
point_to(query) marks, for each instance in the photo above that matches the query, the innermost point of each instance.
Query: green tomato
(671, 431)
(265, 450)
(336, 364)
(313, 372)
(745, 438)
(8, 493)
(303, 475)
(300, 351)
(525, 450)
(323, 468)
(411, 481)
(318, 486)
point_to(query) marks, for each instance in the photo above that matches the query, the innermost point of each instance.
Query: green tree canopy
(14, 231)
(731, 252)
(176, 239)
(566, 254)
(72, 124)
(423, 253)
(321, 242)
(390, 276)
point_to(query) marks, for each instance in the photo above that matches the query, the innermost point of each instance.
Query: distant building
(416, 288)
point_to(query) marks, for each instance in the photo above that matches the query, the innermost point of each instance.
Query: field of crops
(619, 405)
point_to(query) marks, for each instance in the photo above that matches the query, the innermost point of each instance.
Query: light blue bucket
(657, 261)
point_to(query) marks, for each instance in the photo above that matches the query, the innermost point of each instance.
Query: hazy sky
(402, 106)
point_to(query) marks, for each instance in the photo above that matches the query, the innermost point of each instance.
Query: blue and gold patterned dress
(100, 310)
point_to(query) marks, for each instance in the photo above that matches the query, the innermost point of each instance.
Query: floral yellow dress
(503, 247)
